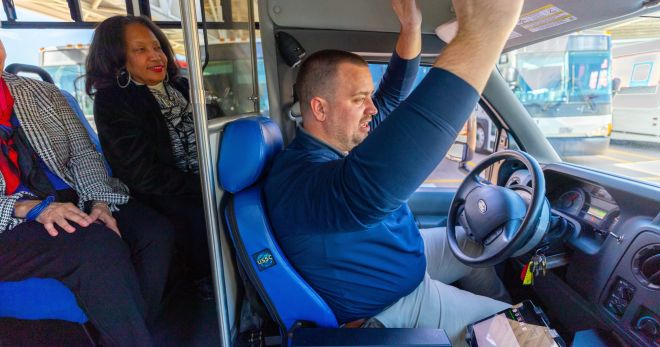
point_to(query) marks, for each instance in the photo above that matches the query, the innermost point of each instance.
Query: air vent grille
(646, 266)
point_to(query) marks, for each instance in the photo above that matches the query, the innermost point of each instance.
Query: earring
(123, 72)
(167, 77)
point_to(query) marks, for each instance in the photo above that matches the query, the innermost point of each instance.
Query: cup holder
(646, 266)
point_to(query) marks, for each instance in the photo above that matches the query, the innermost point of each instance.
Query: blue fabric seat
(39, 298)
(43, 298)
(247, 149)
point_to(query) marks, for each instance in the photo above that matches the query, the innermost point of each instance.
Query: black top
(137, 144)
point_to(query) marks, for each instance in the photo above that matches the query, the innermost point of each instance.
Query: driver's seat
(247, 149)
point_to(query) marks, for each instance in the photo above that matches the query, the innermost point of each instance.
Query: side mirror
(458, 152)
(462, 151)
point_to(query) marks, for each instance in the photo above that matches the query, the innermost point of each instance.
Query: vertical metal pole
(253, 56)
(197, 98)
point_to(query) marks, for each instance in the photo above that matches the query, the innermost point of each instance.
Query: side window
(478, 137)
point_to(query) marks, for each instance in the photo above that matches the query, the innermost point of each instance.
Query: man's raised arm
(395, 159)
(409, 43)
(402, 69)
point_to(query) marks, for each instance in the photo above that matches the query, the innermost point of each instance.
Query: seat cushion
(39, 298)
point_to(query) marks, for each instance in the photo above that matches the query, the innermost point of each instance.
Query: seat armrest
(308, 337)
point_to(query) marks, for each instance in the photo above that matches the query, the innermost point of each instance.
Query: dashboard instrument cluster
(589, 203)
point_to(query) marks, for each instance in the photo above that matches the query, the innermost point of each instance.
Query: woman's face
(145, 59)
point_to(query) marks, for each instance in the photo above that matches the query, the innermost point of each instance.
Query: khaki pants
(436, 304)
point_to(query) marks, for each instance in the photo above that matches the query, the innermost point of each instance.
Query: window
(595, 96)
(641, 74)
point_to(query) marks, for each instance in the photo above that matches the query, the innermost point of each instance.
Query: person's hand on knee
(101, 212)
(58, 213)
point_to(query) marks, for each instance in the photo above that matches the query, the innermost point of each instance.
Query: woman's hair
(107, 53)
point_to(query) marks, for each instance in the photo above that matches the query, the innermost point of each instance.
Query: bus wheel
(481, 139)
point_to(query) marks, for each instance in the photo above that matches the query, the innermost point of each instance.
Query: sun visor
(540, 20)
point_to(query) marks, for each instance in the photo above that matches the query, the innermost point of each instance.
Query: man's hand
(60, 213)
(409, 44)
(483, 29)
(408, 13)
(101, 212)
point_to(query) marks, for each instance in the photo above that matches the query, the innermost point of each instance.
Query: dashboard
(610, 279)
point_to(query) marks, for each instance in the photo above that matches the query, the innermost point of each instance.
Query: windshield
(595, 96)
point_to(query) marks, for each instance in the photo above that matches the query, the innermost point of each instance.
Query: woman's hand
(101, 211)
(61, 213)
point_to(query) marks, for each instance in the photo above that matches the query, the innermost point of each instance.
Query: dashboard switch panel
(647, 324)
(620, 297)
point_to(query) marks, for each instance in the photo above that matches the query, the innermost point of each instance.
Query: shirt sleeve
(381, 173)
(395, 86)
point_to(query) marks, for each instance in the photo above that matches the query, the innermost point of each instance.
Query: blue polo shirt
(343, 220)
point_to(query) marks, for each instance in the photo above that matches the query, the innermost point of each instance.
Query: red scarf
(8, 155)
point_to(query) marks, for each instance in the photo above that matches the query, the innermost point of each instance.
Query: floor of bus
(186, 321)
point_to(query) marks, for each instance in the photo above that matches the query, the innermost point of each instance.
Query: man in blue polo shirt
(337, 197)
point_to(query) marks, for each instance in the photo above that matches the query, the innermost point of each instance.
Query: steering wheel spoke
(495, 247)
(495, 216)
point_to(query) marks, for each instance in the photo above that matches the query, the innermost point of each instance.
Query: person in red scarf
(63, 217)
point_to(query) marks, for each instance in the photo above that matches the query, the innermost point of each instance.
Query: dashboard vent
(646, 266)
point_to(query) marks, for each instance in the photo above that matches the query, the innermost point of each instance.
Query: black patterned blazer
(58, 137)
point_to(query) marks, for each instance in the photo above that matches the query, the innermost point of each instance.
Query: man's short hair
(318, 73)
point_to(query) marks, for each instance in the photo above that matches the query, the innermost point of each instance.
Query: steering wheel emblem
(482, 206)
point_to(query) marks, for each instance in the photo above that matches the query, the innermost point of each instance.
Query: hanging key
(536, 260)
(544, 263)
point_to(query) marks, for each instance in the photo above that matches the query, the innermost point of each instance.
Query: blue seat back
(39, 298)
(248, 147)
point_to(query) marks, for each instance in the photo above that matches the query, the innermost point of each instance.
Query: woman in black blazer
(144, 121)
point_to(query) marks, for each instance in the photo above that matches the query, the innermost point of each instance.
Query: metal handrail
(198, 101)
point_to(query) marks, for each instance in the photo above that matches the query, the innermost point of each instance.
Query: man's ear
(319, 108)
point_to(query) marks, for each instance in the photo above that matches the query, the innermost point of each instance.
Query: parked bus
(636, 107)
(66, 65)
(565, 85)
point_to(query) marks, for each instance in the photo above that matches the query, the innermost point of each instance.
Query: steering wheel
(506, 221)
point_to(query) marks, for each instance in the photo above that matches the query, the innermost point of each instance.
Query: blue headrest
(247, 147)
(39, 298)
(288, 297)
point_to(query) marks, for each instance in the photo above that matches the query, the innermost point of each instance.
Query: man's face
(350, 108)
